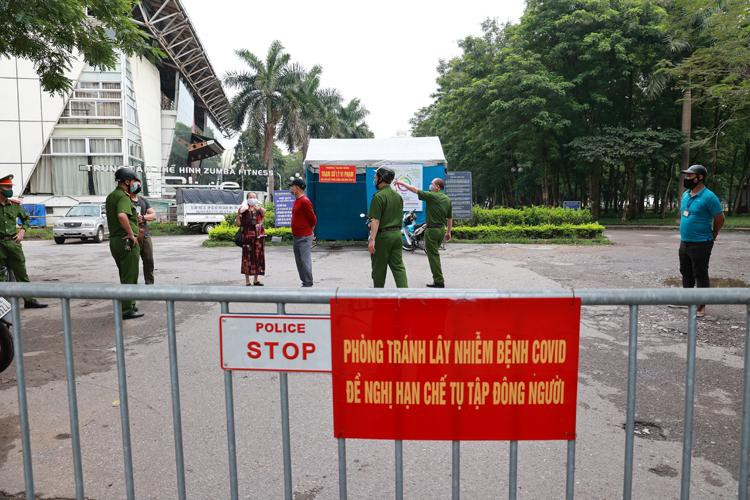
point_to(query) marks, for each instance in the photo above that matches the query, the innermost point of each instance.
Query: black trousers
(694, 257)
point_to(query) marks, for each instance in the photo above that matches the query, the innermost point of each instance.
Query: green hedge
(168, 229)
(226, 232)
(542, 231)
(527, 216)
(267, 221)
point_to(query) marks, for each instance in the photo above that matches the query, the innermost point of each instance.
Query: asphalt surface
(636, 258)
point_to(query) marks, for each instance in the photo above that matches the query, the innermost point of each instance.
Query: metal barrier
(281, 296)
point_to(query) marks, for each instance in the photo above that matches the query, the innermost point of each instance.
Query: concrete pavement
(181, 260)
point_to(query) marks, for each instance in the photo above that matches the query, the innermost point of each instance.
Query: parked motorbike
(412, 234)
(6, 338)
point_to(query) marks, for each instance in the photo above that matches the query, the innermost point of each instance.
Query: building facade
(165, 118)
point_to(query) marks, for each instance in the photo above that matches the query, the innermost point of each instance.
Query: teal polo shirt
(701, 209)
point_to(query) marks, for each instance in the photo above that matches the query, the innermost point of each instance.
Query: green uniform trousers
(388, 254)
(11, 256)
(127, 265)
(432, 239)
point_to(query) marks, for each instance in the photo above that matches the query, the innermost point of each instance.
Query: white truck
(206, 208)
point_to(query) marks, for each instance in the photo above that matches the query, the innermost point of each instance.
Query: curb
(672, 228)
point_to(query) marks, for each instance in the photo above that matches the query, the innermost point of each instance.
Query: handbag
(238, 239)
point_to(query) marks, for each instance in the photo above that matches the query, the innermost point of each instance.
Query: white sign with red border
(284, 343)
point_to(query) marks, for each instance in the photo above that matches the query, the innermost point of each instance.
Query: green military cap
(7, 180)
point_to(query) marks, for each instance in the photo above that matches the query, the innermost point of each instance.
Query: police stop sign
(275, 342)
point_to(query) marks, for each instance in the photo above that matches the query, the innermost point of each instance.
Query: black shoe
(34, 304)
(435, 285)
(132, 315)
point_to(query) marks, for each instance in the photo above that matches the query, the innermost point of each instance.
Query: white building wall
(27, 117)
(147, 87)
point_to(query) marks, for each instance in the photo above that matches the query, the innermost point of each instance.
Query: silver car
(83, 221)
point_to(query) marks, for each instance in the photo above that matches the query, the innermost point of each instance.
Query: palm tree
(267, 98)
(351, 120)
(316, 113)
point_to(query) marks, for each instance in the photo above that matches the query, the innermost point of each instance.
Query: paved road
(636, 258)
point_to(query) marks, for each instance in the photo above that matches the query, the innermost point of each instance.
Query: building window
(76, 146)
(135, 149)
(94, 103)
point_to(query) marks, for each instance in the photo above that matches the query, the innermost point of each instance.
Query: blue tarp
(38, 214)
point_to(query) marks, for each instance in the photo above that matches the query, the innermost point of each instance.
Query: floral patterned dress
(253, 249)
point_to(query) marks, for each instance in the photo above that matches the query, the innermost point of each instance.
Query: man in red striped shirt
(303, 225)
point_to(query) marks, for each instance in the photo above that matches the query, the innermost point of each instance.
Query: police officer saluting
(439, 216)
(123, 230)
(11, 252)
(386, 212)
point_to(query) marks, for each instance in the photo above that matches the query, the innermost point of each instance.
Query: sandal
(248, 284)
(258, 283)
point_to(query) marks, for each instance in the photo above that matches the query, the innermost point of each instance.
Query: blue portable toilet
(338, 204)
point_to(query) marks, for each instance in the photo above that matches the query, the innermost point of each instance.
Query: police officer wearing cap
(439, 215)
(386, 212)
(11, 252)
(701, 219)
(123, 230)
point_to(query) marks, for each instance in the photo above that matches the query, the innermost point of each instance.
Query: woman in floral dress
(253, 249)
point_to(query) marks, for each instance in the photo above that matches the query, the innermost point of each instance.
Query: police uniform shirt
(439, 208)
(387, 206)
(120, 203)
(9, 215)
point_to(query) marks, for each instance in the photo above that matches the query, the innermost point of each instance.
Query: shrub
(167, 228)
(542, 231)
(527, 216)
(226, 232)
(267, 221)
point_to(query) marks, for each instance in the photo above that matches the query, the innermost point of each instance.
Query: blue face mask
(8, 193)
(135, 187)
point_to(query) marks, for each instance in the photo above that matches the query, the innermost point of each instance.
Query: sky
(384, 52)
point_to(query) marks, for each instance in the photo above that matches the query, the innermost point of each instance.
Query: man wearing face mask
(439, 213)
(145, 215)
(386, 212)
(11, 251)
(123, 231)
(701, 219)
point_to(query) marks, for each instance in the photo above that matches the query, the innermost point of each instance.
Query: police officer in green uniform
(439, 213)
(123, 230)
(386, 212)
(11, 252)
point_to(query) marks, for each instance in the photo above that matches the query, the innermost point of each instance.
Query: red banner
(338, 173)
(440, 369)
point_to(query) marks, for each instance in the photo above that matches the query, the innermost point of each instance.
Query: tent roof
(399, 149)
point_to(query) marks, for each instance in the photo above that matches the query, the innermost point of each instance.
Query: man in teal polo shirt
(701, 219)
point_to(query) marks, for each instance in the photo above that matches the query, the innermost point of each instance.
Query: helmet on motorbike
(386, 174)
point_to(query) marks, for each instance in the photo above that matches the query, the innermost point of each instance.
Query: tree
(267, 98)
(351, 121)
(316, 112)
(50, 33)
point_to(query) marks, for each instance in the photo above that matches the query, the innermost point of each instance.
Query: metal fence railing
(227, 295)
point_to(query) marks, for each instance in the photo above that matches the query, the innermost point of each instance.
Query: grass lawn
(39, 233)
(741, 221)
